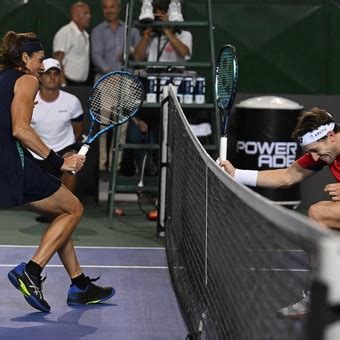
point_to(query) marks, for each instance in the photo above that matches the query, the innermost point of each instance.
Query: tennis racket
(225, 88)
(115, 98)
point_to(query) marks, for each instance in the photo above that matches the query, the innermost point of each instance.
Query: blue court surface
(144, 307)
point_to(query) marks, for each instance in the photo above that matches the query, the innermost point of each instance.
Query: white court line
(96, 266)
(86, 247)
(277, 270)
(267, 269)
(277, 250)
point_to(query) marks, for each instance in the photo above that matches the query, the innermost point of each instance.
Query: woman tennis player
(24, 183)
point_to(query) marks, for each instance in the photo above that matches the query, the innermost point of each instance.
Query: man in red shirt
(318, 135)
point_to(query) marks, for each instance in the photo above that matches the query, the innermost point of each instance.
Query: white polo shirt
(76, 47)
(168, 52)
(52, 120)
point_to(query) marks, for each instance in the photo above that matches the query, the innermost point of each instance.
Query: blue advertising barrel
(263, 141)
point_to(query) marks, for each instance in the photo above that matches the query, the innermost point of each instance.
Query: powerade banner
(269, 154)
(263, 141)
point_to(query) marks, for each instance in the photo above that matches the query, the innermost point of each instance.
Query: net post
(325, 295)
(163, 164)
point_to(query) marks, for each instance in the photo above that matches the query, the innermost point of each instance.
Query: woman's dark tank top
(11, 167)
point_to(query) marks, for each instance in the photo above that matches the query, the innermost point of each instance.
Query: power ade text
(270, 154)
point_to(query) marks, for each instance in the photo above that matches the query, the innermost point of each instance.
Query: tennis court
(144, 307)
(233, 258)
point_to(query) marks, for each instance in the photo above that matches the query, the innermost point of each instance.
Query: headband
(31, 46)
(315, 135)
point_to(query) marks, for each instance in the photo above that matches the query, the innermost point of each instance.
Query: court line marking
(268, 269)
(277, 250)
(277, 269)
(141, 248)
(85, 247)
(96, 266)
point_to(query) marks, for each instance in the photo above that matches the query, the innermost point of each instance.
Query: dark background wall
(284, 46)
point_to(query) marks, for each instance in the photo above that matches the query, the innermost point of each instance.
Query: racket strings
(116, 98)
(227, 69)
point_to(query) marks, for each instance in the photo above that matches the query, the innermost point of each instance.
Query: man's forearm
(140, 50)
(177, 44)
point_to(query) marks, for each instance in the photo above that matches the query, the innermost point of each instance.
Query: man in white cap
(58, 120)
(318, 135)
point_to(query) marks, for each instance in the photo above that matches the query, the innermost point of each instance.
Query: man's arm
(135, 39)
(60, 46)
(60, 56)
(140, 50)
(180, 48)
(77, 129)
(97, 51)
(283, 178)
(278, 178)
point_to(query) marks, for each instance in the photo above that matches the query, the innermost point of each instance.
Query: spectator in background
(107, 51)
(58, 120)
(107, 39)
(165, 44)
(71, 46)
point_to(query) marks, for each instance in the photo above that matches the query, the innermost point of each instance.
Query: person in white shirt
(71, 46)
(58, 120)
(166, 44)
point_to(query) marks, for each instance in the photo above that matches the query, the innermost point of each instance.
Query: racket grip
(83, 151)
(223, 148)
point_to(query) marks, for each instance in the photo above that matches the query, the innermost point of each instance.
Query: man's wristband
(246, 177)
(55, 160)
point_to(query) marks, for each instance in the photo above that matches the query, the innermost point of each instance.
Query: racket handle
(223, 148)
(83, 151)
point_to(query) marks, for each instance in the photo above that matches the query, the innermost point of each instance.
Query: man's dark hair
(161, 5)
(311, 120)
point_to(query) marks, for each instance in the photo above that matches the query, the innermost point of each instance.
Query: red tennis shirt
(307, 162)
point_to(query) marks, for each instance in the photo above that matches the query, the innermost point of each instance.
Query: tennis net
(234, 258)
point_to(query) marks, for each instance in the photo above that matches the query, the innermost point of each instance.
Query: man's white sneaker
(297, 310)
(146, 14)
(175, 12)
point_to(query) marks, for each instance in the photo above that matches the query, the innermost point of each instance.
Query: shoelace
(37, 287)
(306, 293)
(92, 280)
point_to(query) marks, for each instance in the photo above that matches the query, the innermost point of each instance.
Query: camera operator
(167, 44)
(164, 44)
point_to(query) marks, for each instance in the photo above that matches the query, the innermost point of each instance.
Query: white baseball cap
(51, 63)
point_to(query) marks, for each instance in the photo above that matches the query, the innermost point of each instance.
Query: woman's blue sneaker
(30, 286)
